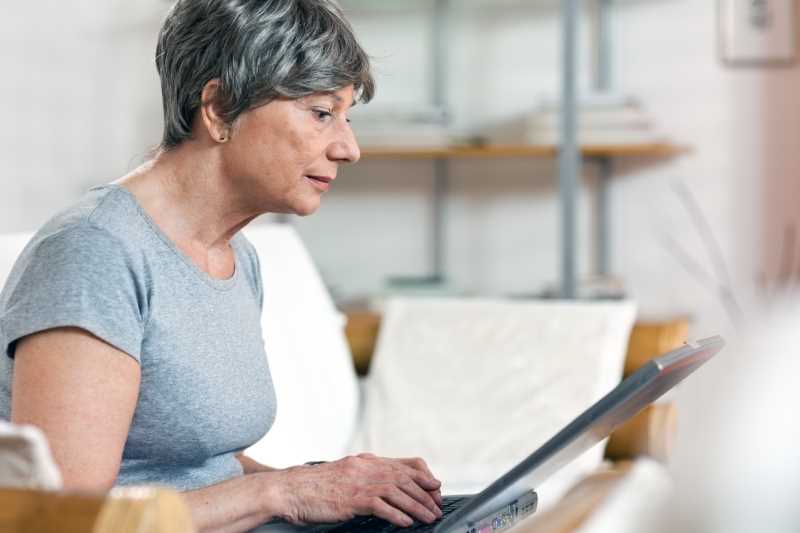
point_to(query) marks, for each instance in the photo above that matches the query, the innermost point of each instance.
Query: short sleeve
(79, 277)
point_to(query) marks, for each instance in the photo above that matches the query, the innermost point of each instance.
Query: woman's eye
(322, 114)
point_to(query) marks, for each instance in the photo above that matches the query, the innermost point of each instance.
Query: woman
(131, 322)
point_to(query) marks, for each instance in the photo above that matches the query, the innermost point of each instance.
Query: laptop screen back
(596, 423)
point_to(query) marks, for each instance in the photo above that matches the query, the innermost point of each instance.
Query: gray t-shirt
(206, 391)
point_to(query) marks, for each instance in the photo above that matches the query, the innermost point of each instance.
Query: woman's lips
(320, 182)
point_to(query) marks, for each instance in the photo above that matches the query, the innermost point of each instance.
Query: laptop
(512, 497)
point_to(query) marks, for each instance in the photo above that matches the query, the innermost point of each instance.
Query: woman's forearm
(235, 505)
(397, 490)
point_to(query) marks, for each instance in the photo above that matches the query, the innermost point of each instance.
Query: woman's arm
(393, 489)
(233, 506)
(82, 392)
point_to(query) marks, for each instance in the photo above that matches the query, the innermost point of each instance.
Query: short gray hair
(260, 50)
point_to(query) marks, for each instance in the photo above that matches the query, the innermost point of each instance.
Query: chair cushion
(474, 386)
(311, 366)
(11, 245)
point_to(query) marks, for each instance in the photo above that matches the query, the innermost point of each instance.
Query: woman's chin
(307, 208)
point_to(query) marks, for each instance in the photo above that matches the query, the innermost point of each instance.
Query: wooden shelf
(527, 150)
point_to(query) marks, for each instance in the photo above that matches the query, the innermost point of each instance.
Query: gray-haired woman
(131, 322)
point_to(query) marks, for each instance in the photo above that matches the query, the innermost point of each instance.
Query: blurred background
(82, 103)
(689, 173)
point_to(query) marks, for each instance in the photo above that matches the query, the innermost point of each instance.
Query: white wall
(502, 233)
(81, 100)
(79, 95)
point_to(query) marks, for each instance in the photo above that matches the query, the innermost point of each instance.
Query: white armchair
(471, 385)
(11, 245)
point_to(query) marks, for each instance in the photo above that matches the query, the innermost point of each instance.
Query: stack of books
(601, 119)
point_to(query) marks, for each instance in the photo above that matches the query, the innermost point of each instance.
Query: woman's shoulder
(94, 221)
(100, 208)
(76, 272)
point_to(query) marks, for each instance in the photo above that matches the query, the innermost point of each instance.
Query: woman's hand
(396, 490)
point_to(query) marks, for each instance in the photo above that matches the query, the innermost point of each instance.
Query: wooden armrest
(649, 433)
(650, 339)
(362, 334)
(123, 510)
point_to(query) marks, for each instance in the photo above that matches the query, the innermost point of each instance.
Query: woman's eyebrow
(339, 99)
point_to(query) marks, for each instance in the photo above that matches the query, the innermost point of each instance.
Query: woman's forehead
(344, 96)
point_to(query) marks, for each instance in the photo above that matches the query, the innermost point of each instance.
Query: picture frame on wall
(757, 32)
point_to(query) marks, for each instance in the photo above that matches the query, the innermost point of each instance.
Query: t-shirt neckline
(216, 283)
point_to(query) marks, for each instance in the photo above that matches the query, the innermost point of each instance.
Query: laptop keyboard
(373, 524)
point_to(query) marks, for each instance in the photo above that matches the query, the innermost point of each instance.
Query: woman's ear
(213, 122)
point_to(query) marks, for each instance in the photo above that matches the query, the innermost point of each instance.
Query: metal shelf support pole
(603, 72)
(605, 165)
(569, 156)
(440, 32)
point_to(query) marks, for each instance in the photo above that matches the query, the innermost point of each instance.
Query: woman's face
(284, 155)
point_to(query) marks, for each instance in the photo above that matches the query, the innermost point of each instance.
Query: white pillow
(25, 459)
(310, 362)
(474, 386)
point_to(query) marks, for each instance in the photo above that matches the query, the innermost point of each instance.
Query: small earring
(223, 139)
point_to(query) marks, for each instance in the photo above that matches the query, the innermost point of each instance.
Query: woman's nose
(345, 148)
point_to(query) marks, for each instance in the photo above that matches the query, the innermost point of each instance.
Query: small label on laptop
(505, 518)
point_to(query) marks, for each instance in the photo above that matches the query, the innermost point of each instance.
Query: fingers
(406, 486)
(416, 469)
(419, 472)
(401, 500)
(378, 507)
(412, 489)
(437, 497)
(427, 479)
(416, 463)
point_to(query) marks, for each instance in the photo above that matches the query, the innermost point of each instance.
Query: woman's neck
(187, 195)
